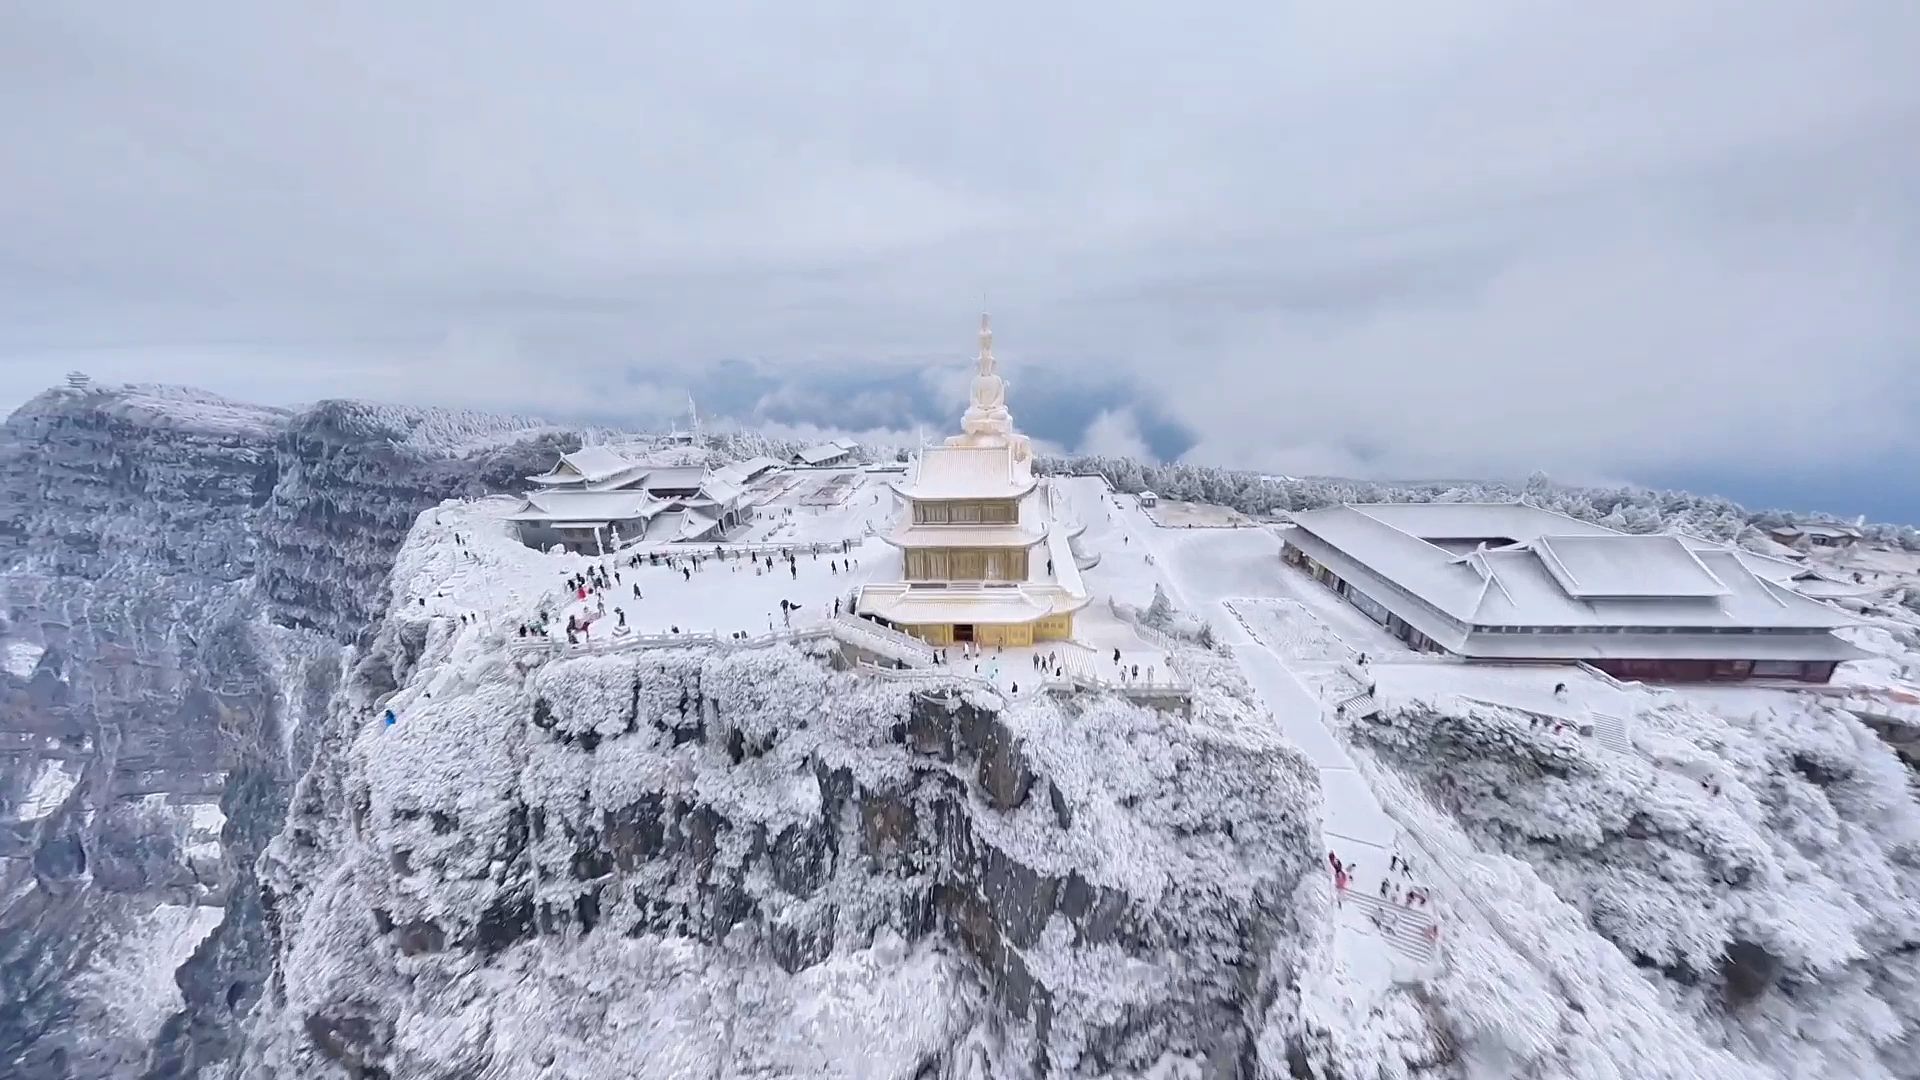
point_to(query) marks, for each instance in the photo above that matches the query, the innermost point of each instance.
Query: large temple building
(983, 558)
(596, 499)
(1508, 582)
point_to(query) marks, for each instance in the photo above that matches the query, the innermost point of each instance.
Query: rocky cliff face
(648, 863)
(179, 574)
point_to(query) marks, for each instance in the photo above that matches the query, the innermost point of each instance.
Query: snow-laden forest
(1628, 509)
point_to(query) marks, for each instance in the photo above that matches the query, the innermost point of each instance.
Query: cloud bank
(1634, 240)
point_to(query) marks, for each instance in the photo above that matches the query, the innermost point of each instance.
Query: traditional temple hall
(983, 557)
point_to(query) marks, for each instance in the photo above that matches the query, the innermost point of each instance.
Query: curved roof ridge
(1361, 509)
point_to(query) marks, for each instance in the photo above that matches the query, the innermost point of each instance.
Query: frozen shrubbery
(1629, 509)
(1762, 866)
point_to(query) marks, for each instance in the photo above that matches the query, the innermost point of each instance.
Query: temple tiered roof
(967, 472)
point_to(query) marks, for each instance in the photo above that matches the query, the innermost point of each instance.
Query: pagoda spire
(987, 365)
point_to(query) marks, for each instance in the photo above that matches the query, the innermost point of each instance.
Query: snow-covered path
(1203, 569)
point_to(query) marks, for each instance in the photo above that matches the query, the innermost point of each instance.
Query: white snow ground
(50, 787)
(22, 657)
(134, 978)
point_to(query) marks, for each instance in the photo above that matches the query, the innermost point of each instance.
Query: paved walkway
(1205, 567)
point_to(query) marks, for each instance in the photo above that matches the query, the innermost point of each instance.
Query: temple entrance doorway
(963, 631)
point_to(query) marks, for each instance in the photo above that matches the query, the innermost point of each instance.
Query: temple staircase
(882, 641)
(1407, 930)
(1610, 731)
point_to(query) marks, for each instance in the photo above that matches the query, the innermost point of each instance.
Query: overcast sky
(1671, 241)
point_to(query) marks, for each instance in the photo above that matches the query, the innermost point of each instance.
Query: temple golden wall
(966, 511)
(1051, 628)
(966, 564)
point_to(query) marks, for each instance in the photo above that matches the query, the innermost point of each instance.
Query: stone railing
(1887, 706)
(847, 629)
(684, 548)
(1157, 691)
(931, 676)
(624, 642)
(881, 640)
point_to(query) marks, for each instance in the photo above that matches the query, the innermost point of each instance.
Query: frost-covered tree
(1629, 509)
(1762, 866)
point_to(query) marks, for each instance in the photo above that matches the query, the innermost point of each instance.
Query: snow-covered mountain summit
(216, 859)
(655, 861)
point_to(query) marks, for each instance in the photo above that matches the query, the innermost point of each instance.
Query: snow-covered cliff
(658, 863)
(1733, 889)
(179, 573)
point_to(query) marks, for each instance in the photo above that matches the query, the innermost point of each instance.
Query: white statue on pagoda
(987, 421)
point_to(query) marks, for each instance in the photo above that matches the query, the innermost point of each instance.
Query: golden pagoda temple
(982, 557)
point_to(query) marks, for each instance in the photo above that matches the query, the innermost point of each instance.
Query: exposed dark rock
(635, 833)
(764, 876)
(200, 536)
(1749, 969)
(419, 936)
(886, 828)
(356, 1042)
(800, 859)
(1824, 773)
(1004, 773)
(799, 946)
(507, 920)
(61, 857)
(699, 833)
(930, 728)
(1095, 912)
(586, 909)
(973, 727)
(591, 861)
(1062, 812)
(1020, 899)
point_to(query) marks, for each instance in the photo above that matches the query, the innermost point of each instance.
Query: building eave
(923, 537)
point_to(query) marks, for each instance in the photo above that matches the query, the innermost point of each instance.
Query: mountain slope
(179, 573)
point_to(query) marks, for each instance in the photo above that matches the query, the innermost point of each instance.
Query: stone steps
(1611, 732)
(1406, 928)
(1359, 706)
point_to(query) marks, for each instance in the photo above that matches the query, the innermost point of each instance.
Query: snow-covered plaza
(796, 550)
